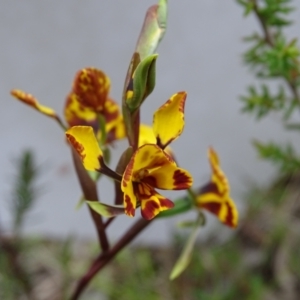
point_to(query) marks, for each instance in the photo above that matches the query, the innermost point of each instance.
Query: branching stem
(268, 37)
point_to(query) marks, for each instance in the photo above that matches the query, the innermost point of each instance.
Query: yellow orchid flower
(149, 168)
(88, 98)
(215, 195)
(92, 87)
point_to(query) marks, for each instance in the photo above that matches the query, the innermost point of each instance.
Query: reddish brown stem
(110, 220)
(89, 190)
(104, 258)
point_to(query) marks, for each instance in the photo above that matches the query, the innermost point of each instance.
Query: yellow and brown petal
(168, 120)
(83, 140)
(151, 167)
(92, 88)
(152, 203)
(77, 114)
(114, 123)
(214, 196)
(33, 102)
(147, 137)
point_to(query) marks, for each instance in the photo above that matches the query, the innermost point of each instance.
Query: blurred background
(44, 43)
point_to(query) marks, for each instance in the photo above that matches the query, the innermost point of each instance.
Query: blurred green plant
(14, 275)
(24, 191)
(272, 56)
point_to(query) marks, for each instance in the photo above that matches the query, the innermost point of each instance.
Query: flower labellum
(149, 168)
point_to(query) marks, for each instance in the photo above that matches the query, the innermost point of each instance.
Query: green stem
(60, 123)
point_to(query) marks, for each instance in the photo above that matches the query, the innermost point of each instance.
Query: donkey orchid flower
(149, 168)
(215, 195)
(88, 99)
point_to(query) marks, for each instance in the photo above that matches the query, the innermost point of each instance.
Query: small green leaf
(181, 205)
(186, 255)
(106, 210)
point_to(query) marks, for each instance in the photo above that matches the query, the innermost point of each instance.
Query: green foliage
(15, 279)
(282, 156)
(24, 191)
(273, 12)
(275, 60)
(261, 102)
(273, 56)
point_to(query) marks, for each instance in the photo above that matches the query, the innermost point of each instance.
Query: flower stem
(104, 258)
(89, 190)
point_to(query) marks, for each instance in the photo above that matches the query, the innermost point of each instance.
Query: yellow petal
(134, 172)
(129, 197)
(77, 114)
(33, 102)
(152, 203)
(92, 87)
(168, 120)
(214, 196)
(83, 140)
(218, 176)
(148, 158)
(146, 135)
(152, 165)
(169, 177)
(115, 128)
(223, 207)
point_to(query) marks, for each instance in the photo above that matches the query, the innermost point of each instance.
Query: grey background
(43, 44)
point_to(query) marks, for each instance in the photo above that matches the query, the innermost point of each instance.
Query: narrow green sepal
(142, 83)
(181, 205)
(106, 210)
(186, 254)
